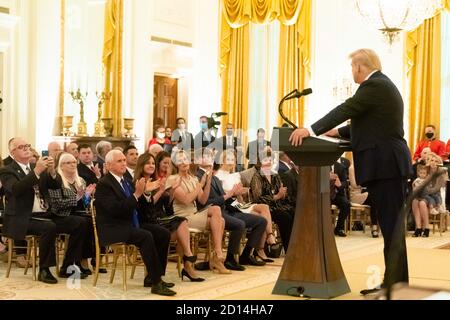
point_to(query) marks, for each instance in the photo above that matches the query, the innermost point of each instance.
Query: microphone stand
(280, 108)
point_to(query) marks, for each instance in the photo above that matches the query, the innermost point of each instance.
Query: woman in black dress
(160, 211)
(267, 188)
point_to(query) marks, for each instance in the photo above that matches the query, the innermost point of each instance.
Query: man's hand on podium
(298, 135)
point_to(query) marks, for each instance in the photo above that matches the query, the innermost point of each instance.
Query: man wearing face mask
(431, 141)
(229, 141)
(160, 138)
(181, 138)
(204, 138)
(255, 148)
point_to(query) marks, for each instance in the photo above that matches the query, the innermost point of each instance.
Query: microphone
(298, 94)
(292, 95)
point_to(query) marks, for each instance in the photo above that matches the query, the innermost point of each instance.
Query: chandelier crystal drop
(393, 16)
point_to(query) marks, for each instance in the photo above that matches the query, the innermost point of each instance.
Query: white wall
(338, 31)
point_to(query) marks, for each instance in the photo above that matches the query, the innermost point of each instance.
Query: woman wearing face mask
(266, 188)
(432, 142)
(160, 138)
(181, 137)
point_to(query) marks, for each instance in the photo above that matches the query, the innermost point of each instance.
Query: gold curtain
(294, 65)
(234, 48)
(112, 63)
(423, 63)
(447, 4)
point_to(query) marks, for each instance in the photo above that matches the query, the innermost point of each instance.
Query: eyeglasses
(23, 147)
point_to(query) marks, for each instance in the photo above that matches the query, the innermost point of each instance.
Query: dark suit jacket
(376, 131)
(87, 174)
(254, 149)
(282, 167)
(216, 193)
(187, 143)
(200, 140)
(7, 161)
(222, 143)
(114, 211)
(127, 175)
(19, 194)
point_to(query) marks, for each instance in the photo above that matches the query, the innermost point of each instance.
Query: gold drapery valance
(423, 70)
(240, 12)
(112, 63)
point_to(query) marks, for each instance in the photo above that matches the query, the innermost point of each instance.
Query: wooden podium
(312, 265)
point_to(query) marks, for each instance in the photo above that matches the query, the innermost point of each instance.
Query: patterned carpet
(428, 267)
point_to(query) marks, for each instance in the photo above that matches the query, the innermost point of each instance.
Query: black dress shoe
(251, 261)
(339, 233)
(162, 290)
(370, 291)
(74, 270)
(233, 265)
(148, 283)
(46, 276)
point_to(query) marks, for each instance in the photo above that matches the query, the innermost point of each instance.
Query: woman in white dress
(229, 180)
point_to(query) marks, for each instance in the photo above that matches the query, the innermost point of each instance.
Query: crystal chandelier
(393, 16)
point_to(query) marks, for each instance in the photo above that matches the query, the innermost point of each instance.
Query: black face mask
(429, 135)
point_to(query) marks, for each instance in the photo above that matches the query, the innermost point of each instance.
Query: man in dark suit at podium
(381, 156)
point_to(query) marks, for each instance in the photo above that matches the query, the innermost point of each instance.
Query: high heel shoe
(185, 273)
(216, 263)
(417, 233)
(256, 255)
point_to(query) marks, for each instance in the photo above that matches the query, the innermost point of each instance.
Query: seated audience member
(181, 138)
(9, 159)
(161, 139)
(164, 167)
(289, 172)
(205, 137)
(236, 221)
(72, 148)
(34, 156)
(432, 142)
(187, 190)
(156, 211)
(117, 220)
(266, 188)
(26, 188)
(131, 154)
(73, 195)
(339, 198)
(71, 201)
(229, 180)
(256, 148)
(155, 149)
(54, 149)
(102, 148)
(88, 169)
(429, 200)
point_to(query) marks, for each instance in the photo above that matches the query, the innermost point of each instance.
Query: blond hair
(79, 182)
(366, 57)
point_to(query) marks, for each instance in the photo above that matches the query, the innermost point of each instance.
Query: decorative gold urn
(108, 125)
(128, 124)
(67, 124)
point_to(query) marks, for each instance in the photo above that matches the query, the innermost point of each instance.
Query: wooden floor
(361, 257)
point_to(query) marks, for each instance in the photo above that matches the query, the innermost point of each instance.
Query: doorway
(165, 101)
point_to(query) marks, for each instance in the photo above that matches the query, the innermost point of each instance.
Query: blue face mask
(204, 126)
